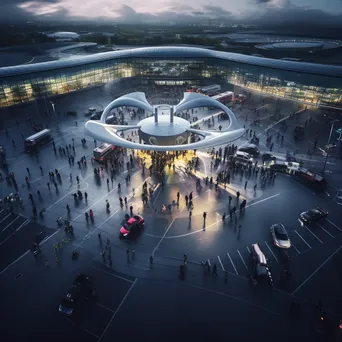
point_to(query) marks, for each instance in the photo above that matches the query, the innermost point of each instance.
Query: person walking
(190, 215)
(204, 217)
(246, 185)
(48, 185)
(230, 198)
(185, 258)
(131, 210)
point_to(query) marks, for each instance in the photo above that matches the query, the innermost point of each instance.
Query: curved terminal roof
(110, 133)
(165, 52)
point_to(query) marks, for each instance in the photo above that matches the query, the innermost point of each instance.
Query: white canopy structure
(111, 133)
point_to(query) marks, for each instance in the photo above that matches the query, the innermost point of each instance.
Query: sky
(324, 12)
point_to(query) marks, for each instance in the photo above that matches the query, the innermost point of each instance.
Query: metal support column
(155, 114)
(171, 114)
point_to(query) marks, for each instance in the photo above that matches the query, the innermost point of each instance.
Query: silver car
(279, 236)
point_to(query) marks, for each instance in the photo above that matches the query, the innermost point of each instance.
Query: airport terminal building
(315, 84)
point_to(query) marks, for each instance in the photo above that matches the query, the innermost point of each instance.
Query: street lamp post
(53, 107)
(328, 147)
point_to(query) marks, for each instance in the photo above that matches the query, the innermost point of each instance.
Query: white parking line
(325, 230)
(5, 217)
(10, 223)
(219, 259)
(23, 224)
(113, 275)
(104, 307)
(92, 334)
(334, 225)
(209, 263)
(313, 234)
(162, 238)
(317, 269)
(232, 263)
(1, 211)
(302, 238)
(295, 248)
(117, 310)
(242, 259)
(249, 251)
(271, 251)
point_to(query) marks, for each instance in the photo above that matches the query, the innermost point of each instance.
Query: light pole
(328, 147)
(53, 107)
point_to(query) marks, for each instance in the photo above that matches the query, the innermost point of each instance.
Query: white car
(279, 236)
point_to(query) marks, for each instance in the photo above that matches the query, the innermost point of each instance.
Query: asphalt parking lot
(38, 310)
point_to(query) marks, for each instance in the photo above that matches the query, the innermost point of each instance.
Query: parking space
(17, 235)
(303, 239)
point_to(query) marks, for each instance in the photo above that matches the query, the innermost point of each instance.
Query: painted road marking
(334, 224)
(314, 272)
(302, 238)
(249, 251)
(242, 259)
(271, 251)
(162, 238)
(1, 211)
(209, 263)
(23, 224)
(325, 230)
(113, 275)
(295, 247)
(5, 217)
(10, 223)
(313, 234)
(232, 263)
(215, 223)
(219, 259)
(117, 310)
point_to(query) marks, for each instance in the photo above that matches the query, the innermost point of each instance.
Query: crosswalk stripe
(219, 259)
(271, 251)
(302, 238)
(325, 230)
(232, 263)
(249, 251)
(242, 259)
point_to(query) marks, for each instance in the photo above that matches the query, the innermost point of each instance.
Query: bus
(104, 152)
(211, 90)
(225, 97)
(34, 141)
(316, 182)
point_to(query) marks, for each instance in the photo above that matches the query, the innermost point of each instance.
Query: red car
(134, 222)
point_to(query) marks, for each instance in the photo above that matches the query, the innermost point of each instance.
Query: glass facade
(304, 87)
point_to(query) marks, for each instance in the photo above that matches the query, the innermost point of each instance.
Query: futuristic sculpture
(164, 132)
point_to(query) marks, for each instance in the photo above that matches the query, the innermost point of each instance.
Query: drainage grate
(19, 275)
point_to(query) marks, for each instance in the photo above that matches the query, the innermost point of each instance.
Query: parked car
(80, 288)
(250, 149)
(96, 116)
(279, 235)
(131, 224)
(312, 215)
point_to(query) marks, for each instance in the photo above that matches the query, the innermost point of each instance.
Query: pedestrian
(224, 217)
(78, 180)
(127, 254)
(48, 185)
(254, 187)
(246, 185)
(239, 228)
(131, 210)
(204, 216)
(190, 215)
(85, 196)
(230, 200)
(125, 200)
(99, 235)
(237, 195)
(28, 171)
(151, 259)
(185, 258)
